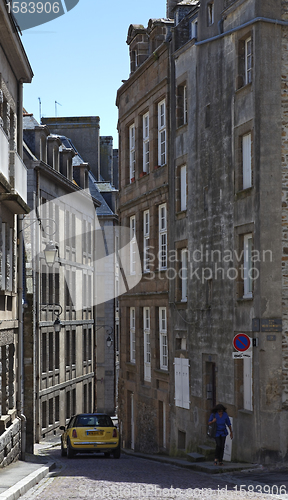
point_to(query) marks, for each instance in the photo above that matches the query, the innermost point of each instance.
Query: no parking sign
(241, 342)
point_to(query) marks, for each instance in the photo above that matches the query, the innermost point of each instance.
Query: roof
(104, 209)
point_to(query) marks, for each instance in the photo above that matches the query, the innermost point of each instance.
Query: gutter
(279, 22)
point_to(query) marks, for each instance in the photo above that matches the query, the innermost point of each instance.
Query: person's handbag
(212, 427)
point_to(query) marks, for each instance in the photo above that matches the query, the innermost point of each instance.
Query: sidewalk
(207, 467)
(16, 479)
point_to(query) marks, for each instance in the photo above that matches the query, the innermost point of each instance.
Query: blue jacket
(221, 429)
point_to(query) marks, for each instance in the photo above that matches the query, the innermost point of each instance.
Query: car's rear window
(93, 421)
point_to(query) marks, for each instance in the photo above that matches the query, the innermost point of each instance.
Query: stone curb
(196, 467)
(25, 484)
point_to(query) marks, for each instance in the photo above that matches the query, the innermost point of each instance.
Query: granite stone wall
(10, 443)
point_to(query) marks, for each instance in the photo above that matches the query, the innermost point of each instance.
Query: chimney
(169, 7)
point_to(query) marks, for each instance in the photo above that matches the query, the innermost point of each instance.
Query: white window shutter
(247, 164)
(185, 383)
(178, 381)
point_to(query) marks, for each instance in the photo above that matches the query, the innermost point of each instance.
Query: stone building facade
(59, 365)
(14, 71)
(84, 134)
(143, 102)
(227, 224)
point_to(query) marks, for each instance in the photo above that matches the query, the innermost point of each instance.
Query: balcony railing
(4, 154)
(18, 175)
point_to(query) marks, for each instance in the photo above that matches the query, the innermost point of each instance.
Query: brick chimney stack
(169, 7)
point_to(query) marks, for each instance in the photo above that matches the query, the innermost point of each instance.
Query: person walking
(222, 420)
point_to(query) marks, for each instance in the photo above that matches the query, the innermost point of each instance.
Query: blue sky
(80, 59)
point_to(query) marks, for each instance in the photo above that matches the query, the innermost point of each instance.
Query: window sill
(181, 128)
(245, 299)
(160, 371)
(181, 305)
(246, 87)
(246, 412)
(244, 193)
(181, 215)
(130, 364)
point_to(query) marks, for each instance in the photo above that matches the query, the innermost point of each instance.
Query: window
(210, 13)
(132, 245)
(163, 338)
(146, 143)
(161, 133)
(183, 188)
(194, 28)
(44, 352)
(247, 268)
(182, 391)
(247, 160)
(132, 152)
(146, 235)
(162, 237)
(147, 346)
(184, 274)
(132, 335)
(182, 110)
(248, 60)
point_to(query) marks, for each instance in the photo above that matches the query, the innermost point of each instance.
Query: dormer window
(210, 13)
(194, 27)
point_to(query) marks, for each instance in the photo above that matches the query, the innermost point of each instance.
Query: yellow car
(90, 432)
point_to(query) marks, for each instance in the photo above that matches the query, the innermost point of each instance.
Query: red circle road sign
(241, 342)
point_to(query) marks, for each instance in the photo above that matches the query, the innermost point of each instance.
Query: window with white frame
(132, 335)
(185, 110)
(162, 133)
(184, 274)
(146, 236)
(183, 188)
(210, 13)
(247, 274)
(162, 236)
(194, 27)
(133, 245)
(163, 338)
(248, 60)
(146, 143)
(132, 160)
(147, 344)
(247, 160)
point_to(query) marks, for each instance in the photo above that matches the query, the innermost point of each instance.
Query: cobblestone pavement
(93, 477)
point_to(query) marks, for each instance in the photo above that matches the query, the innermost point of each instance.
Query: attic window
(194, 25)
(210, 13)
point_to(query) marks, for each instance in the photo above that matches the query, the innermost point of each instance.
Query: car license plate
(94, 433)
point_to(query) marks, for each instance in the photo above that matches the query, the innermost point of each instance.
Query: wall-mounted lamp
(57, 325)
(51, 250)
(109, 331)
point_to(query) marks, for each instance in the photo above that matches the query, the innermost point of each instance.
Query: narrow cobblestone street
(95, 478)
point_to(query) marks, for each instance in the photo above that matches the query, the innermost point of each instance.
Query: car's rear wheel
(117, 453)
(107, 454)
(70, 452)
(63, 450)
